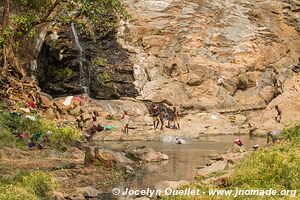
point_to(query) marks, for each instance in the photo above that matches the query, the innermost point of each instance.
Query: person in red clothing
(31, 104)
(238, 142)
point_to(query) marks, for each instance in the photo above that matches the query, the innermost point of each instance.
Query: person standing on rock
(162, 115)
(279, 113)
(95, 114)
(126, 120)
(95, 126)
(175, 119)
(81, 120)
(220, 81)
(155, 115)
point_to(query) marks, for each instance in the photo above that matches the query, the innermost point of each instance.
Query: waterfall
(80, 58)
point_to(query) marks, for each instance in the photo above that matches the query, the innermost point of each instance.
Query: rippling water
(184, 158)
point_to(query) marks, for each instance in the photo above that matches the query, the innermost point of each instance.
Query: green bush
(28, 186)
(292, 134)
(39, 183)
(61, 135)
(14, 192)
(99, 61)
(106, 78)
(8, 139)
(277, 167)
(58, 72)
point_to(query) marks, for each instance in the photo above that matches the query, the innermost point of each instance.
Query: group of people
(160, 115)
(96, 127)
(272, 136)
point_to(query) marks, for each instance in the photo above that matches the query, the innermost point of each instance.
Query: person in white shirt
(220, 81)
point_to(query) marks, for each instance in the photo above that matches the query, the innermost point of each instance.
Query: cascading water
(80, 58)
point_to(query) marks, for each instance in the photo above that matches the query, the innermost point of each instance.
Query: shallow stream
(184, 158)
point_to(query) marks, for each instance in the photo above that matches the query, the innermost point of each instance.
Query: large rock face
(289, 104)
(173, 52)
(182, 47)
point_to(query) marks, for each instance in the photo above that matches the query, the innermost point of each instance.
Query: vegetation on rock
(28, 185)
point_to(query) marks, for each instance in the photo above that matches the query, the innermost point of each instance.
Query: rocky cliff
(180, 49)
(174, 51)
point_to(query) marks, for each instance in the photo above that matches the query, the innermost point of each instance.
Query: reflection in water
(184, 158)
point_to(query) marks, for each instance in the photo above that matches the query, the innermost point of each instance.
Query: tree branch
(5, 16)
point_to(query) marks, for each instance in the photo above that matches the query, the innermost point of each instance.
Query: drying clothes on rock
(31, 104)
(68, 101)
(107, 128)
(32, 118)
(79, 99)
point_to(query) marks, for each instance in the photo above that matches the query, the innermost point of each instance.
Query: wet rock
(120, 158)
(215, 167)
(151, 157)
(88, 191)
(108, 158)
(146, 154)
(105, 158)
(236, 149)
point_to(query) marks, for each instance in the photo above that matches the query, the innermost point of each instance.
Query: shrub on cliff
(292, 134)
(13, 192)
(28, 185)
(7, 139)
(61, 135)
(39, 183)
